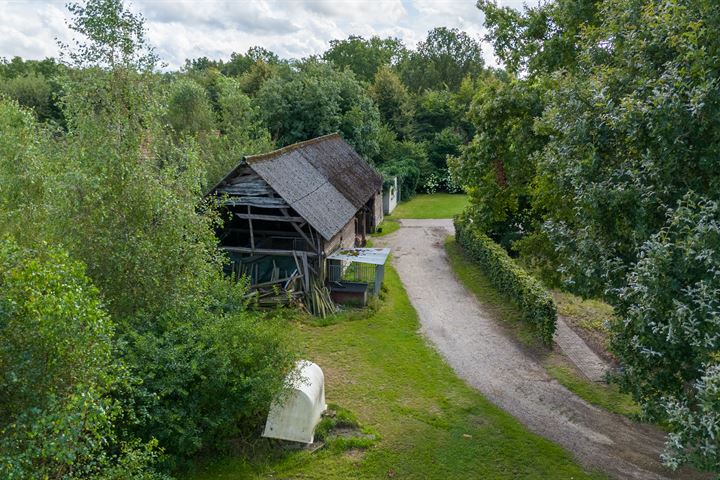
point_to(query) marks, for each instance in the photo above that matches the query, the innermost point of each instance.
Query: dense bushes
(668, 335)
(132, 342)
(59, 417)
(621, 179)
(536, 304)
(210, 374)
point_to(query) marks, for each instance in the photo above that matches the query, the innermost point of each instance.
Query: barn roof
(324, 180)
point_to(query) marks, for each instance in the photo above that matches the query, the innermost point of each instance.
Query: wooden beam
(262, 202)
(266, 251)
(298, 229)
(270, 218)
(269, 233)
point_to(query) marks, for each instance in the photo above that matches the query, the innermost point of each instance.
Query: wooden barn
(290, 209)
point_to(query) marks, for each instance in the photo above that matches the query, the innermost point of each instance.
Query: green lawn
(387, 227)
(431, 425)
(472, 276)
(437, 205)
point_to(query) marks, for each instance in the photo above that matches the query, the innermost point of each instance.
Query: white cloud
(181, 29)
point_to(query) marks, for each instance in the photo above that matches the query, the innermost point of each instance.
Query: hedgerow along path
(485, 355)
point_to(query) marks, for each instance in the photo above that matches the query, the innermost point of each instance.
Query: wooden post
(307, 271)
(252, 234)
(379, 276)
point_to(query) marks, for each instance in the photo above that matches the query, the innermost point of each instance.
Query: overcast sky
(215, 28)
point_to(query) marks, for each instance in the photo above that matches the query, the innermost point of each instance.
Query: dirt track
(479, 349)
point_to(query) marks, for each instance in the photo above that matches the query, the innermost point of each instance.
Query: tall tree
(442, 60)
(498, 165)
(317, 100)
(542, 39)
(392, 99)
(365, 57)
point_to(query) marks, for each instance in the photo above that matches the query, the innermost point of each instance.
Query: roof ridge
(290, 148)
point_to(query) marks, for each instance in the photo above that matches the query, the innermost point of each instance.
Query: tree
(123, 195)
(241, 131)
(632, 133)
(240, 64)
(541, 39)
(392, 99)
(118, 40)
(189, 110)
(498, 166)
(365, 57)
(34, 84)
(58, 375)
(405, 159)
(442, 60)
(669, 328)
(318, 100)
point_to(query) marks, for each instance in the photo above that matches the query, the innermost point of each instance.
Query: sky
(183, 29)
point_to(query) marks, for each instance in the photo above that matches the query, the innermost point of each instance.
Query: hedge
(534, 301)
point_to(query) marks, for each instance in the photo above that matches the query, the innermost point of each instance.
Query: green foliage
(58, 418)
(241, 131)
(634, 131)
(189, 110)
(442, 60)
(532, 298)
(240, 64)
(33, 84)
(405, 159)
(55, 334)
(21, 165)
(392, 100)
(31, 91)
(317, 100)
(114, 37)
(433, 113)
(210, 375)
(541, 39)
(365, 57)
(669, 321)
(498, 167)
(695, 428)
(123, 194)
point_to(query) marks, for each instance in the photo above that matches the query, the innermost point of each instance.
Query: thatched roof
(324, 180)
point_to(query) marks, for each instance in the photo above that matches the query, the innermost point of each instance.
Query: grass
(601, 395)
(437, 205)
(430, 424)
(608, 397)
(387, 227)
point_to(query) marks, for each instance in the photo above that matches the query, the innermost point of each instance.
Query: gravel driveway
(481, 352)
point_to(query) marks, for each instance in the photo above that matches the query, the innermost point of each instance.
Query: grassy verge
(430, 424)
(608, 397)
(588, 318)
(387, 227)
(602, 395)
(437, 205)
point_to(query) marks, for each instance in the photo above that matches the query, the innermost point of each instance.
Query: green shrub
(59, 417)
(209, 374)
(532, 298)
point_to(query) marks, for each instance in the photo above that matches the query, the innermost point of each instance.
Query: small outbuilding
(297, 411)
(390, 195)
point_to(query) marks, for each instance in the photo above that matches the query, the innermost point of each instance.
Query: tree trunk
(500, 176)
